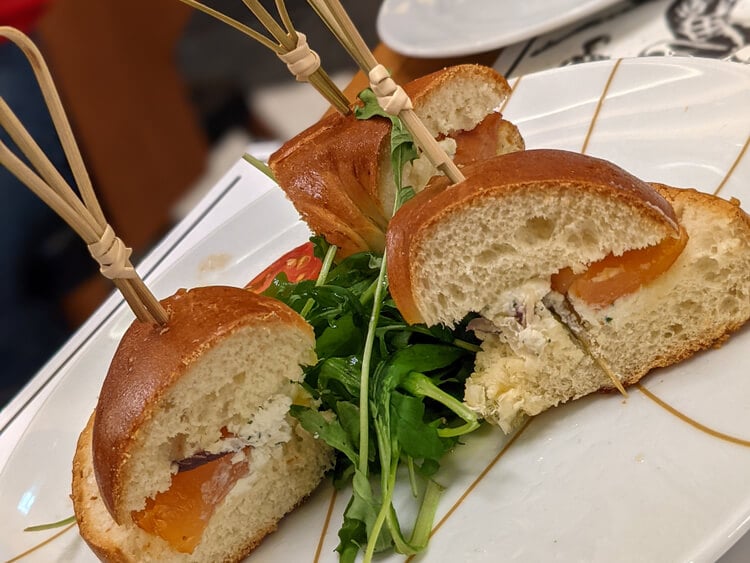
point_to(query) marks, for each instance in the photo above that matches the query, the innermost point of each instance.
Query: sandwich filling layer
(202, 480)
(548, 347)
(584, 277)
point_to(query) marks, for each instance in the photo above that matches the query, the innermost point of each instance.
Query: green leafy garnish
(403, 149)
(52, 525)
(389, 393)
(412, 398)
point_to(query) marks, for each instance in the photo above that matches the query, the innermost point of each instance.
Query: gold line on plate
(691, 421)
(326, 523)
(732, 168)
(41, 544)
(476, 481)
(599, 105)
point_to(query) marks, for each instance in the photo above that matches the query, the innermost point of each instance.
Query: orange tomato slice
(614, 276)
(180, 514)
(298, 265)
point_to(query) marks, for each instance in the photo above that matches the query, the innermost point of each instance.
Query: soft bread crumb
(224, 389)
(703, 297)
(250, 511)
(515, 238)
(460, 104)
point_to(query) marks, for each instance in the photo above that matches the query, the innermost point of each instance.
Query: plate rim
(651, 61)
(396, 42)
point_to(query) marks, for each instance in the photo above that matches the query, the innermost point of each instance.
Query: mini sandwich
(191, 454)
(338, 172)
(579, 276)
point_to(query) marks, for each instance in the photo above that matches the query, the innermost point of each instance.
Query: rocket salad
(395, 389)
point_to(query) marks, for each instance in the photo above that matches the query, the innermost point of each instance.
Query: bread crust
(330, 172)
(710, 337)
(333, 171)
(97, 528)
(85, 495)
(502, 175)
(151, 358)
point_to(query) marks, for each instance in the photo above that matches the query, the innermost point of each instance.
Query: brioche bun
(227, 362)
(491, 245)
(338, 172)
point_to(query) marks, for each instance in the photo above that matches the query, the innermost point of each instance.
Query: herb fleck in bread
(491, 245)
(219, 377)
(338, 173)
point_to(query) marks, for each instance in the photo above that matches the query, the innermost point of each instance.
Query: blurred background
(162, 100)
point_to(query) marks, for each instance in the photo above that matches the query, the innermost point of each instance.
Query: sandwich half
(191, 454)
(338, 172)
(579, 276)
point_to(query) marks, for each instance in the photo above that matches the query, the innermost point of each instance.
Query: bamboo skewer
(388, 92)
(59, 119)
(288, 44)
(84, 215)
(292, 49)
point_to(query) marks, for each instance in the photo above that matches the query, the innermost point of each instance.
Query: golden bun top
(333, 171)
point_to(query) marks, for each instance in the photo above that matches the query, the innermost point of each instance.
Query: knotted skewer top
(391, 97)
(288, 44)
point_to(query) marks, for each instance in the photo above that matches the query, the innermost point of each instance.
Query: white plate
(451, 28)
(601, 479)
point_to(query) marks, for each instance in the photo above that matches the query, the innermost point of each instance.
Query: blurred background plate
(448, 28)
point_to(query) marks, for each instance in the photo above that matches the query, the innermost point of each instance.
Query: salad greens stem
(322, 275)
(260, 165)
(389, 485)
(423, 524)
(412, 476)
(421, 386)
(466, 345)
(51, 525)
(327, 263)
(369, 292)
(459, 430)
(364, 396)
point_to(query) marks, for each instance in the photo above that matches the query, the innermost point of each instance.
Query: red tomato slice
(298, 265)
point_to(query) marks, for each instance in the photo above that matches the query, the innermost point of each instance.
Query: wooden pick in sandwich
(395, 101)
(288, 44)
(391, 96)
(84, 215)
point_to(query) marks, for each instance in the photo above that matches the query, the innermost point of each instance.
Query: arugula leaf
(329, 430)
(395, 389)
(403, 149)
(341, 337)
(340, 376)
(417, 438)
